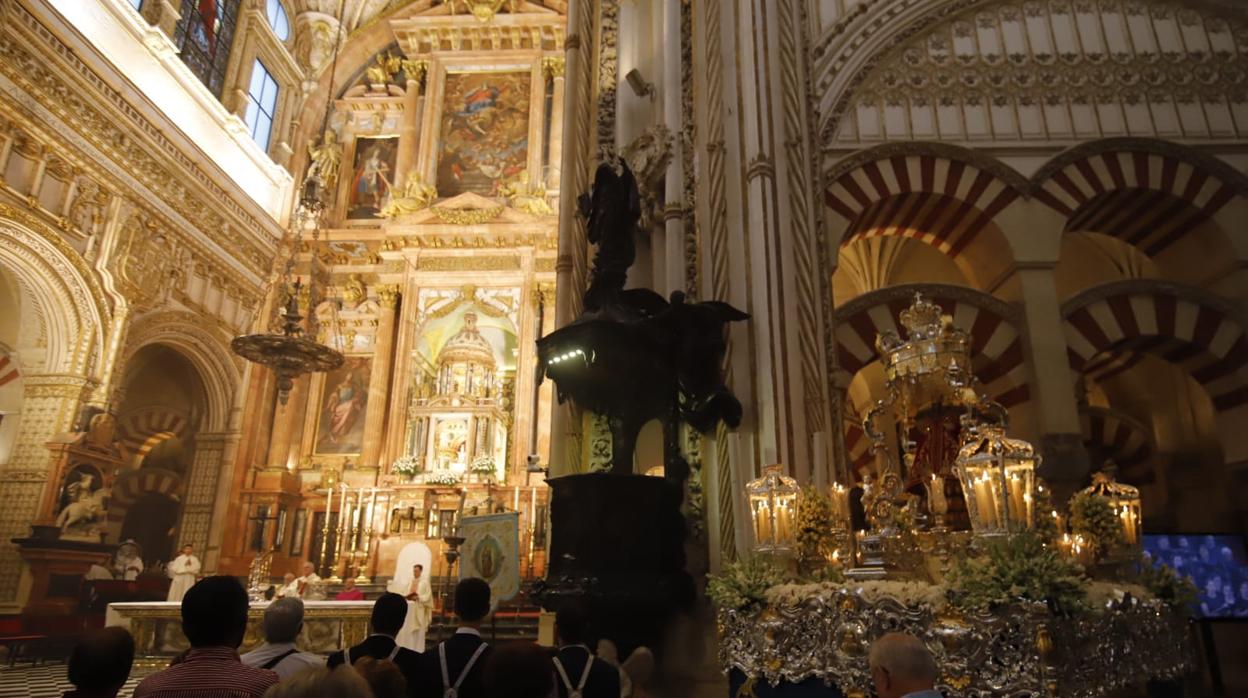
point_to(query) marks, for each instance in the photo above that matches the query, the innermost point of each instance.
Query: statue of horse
(85, 510)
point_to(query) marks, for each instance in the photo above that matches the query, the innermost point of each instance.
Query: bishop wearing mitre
(184, 569)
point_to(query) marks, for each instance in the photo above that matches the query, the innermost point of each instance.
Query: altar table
(157, 626)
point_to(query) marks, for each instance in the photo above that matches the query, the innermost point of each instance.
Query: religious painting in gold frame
(484, 136)
(371, 176)
(342, 407)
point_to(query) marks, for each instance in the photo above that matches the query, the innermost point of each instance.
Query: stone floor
(48, 681)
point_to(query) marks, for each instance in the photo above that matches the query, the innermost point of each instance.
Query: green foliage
(814, 529)
(1094, 518)
(823, 573)
(1019, 567)
(743, 584)
(1177, 591)
(1045, 524)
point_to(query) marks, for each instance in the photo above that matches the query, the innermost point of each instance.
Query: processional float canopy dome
(468, 346)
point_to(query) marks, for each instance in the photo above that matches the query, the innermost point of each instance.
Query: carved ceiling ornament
(1018, 70)
(648, 157)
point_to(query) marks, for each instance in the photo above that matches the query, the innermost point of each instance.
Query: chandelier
(289, 353)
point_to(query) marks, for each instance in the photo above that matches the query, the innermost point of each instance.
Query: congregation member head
(383, 676)
(576, 670)
(214, 619)
(519, 670)
(389, 613)
(901, 665)
(472, 601)
(283, 621)
(322, 682)
(100, 664)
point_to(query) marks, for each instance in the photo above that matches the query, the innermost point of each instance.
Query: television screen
(1216, 563)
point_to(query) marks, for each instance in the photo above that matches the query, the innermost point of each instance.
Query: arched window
(203, 37)
(278, 20)
(261, 104)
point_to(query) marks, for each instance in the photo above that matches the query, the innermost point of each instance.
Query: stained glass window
(204, 35)
(261, 104)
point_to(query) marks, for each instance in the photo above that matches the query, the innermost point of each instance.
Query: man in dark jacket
(578, 673)
(458, 663)
(388, 614)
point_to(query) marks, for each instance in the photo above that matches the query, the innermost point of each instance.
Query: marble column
(409, 135)
(379, 380)
(554, 68)
(49, 405)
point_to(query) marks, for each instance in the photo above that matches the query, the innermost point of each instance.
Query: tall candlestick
(329, 498)
(515, 499)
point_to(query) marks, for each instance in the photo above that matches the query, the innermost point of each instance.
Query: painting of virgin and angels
(340, 421)
(485, 132)
(372, 174)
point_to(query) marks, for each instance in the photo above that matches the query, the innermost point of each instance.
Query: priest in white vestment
(183, 570)
(309, 584)
(419, 594)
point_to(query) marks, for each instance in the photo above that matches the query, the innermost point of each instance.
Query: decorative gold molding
(466, 216)
(553, 66)
(470, 263)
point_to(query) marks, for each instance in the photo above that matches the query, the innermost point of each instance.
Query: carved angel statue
(353, 292)
(326, 155)
(415, 196)
(522, 197)
(384, 69)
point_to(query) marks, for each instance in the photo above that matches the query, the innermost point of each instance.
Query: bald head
(283, 619)
(900, 664)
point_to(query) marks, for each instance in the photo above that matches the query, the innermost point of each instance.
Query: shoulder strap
(468, 667)
(446, 675)
(394, 652)
(563, 675)
(346, 656)
(589, 664)
(278, 659)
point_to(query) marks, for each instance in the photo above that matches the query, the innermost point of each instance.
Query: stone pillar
(553, 66)
(49, 406)
(379, 380)
(408, 133)
(163, 15)
(1034, 232)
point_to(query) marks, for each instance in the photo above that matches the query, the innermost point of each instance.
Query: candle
(533, 507)
(840, 504)
(936, 501)
(985, 501)
(515, 499)
(783, 521)
(762, 523)
(1027, 501)
(1018, 505)
(1128, 525)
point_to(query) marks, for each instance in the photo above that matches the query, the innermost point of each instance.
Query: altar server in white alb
(419, 594)
(184, 570)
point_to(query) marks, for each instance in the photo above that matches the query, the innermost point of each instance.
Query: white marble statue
(127, 561)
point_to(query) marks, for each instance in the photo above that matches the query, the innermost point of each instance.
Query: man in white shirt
(902, 667)
(183, 570)
(289, 587)
(283, 620)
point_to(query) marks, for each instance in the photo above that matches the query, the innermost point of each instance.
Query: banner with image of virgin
(491, 551)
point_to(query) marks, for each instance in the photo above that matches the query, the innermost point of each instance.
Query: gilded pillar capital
(544, 294)
(389, 295)
(553, 66)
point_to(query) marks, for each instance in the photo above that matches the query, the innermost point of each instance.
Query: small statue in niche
(353, 292)
(414, 196)
(101, 430)
(83, 504)
(612, 210)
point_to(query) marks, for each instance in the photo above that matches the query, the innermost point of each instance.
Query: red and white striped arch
(996, 346)
(1112, 434)
(943, 202)
(1166, 321)
(1146, 199)
(132, 484)
(8, 370)
(141, 431)
(858, 447)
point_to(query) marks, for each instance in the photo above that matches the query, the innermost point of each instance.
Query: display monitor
(1215, 562)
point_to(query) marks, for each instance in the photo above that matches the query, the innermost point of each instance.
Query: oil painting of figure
(372, 174)
(340, 424)
(485, 132)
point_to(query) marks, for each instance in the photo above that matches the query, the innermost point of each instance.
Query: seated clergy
(283, 620)
(350, 592)
(577, 671)
(388, 614)
(309, 583)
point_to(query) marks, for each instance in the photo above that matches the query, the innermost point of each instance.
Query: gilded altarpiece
(436, 277)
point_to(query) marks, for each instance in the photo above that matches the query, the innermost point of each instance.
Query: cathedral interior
(1066, 179)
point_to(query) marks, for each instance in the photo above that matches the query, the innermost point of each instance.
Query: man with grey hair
(902, 667)
(283, 620)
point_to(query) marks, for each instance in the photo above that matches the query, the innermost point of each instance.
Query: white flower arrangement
(484, 465)
(405, 465)
(908, 593)
(441, 477)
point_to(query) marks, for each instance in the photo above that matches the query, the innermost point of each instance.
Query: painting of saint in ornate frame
(343, 404)
(372, 175)
(485, 131)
